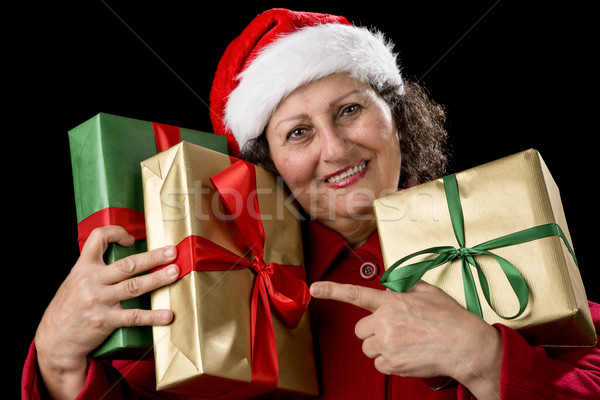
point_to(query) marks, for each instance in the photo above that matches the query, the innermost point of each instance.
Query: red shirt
(344, 371)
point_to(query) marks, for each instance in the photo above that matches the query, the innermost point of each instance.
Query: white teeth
(347, 173)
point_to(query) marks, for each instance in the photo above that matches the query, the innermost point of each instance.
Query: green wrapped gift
(106, 152)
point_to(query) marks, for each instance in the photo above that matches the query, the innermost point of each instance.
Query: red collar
(324, 245)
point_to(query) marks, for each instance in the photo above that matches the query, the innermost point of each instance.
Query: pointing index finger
(363, 297)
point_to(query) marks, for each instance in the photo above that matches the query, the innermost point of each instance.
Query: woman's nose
(334, 143)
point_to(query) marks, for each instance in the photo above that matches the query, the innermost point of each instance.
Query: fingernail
(169, 252)
(315, 289)
(172, 271)
(165, 317)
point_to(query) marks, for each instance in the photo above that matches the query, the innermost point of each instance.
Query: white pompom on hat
(281, 50)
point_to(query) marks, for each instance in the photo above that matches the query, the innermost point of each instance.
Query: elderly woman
(321, 103)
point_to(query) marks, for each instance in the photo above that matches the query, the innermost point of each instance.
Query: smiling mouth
(348, 173)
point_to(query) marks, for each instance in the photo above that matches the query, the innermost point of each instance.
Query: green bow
(402, 279)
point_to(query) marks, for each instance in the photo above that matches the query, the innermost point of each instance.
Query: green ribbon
(402, 279)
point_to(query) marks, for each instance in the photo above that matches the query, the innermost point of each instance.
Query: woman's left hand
(423, 333)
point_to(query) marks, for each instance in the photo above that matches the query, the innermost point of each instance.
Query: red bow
(285, 286)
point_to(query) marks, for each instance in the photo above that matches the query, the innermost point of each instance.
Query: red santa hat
(281, 50)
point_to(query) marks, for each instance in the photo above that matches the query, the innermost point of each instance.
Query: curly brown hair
(423, 136)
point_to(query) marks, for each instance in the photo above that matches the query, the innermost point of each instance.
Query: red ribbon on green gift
(133, 221)
(165, 136)
(279, 289)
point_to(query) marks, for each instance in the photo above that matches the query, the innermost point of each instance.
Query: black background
(512, 75)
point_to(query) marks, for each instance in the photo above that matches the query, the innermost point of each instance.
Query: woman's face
(335, 143)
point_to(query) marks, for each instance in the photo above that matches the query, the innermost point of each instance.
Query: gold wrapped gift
(207, 349)
(516, 248)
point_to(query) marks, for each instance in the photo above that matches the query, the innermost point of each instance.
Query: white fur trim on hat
(299, 58)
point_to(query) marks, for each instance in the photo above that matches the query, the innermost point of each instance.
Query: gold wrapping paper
(497, 198)
(207, 346)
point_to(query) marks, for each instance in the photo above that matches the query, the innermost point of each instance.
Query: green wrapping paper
(106, 152)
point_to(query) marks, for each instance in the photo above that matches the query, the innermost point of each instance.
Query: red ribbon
(274, 286)
(278, 288)
(241, 177)
(131, 220)
(165, 136)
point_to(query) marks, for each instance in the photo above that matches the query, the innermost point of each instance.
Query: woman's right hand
(86, 307)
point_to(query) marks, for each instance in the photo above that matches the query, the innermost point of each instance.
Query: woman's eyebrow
(332, 103)
(342, 97)
(292, 118)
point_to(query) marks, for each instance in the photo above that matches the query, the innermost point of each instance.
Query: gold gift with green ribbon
(495, 238)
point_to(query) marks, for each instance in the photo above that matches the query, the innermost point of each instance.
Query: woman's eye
(296, 133)
(350, 110)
